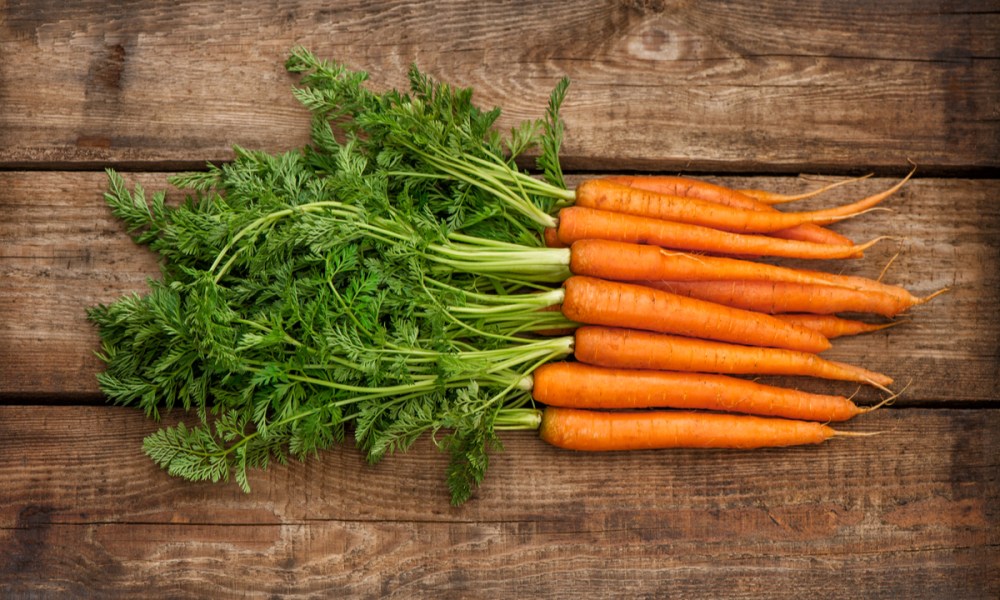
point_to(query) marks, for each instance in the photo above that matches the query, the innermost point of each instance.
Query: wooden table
(746, 93)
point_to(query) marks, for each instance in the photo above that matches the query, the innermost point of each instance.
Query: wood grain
(763, 86)
(62, 251)
(84, 513)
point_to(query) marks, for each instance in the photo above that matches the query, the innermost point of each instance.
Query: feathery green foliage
(379, 281)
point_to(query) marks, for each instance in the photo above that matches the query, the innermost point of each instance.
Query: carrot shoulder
(575, 429)
(579, 385)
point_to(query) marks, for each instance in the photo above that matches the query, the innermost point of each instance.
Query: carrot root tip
(930, 297)
(878, 385)
(838, 433)
(887, 401)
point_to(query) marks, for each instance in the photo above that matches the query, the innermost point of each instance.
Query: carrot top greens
(390, 280)
(437, 132)
(351, 285)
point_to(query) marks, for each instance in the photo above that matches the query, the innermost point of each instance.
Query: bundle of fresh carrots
(640, 249)
(623, 370)
(619, 371)
(413, 278)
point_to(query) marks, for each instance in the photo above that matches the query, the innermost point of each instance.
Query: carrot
(635, 349)
(580, 223)
(790, 297)
(900, 294)
(589, 430)
(556, 331)
(831, 326)
(772, 198)
(703, 190)
(598, 302)
(856, 282)
(551, 237)
(578, 385)
(606, 195)
(687, 187)
(621, 261)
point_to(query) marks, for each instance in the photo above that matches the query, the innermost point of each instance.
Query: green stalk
(485, 178)
(518, 419)
(270, 218)
(537, 186)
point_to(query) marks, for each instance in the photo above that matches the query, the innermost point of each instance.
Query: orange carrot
(637, 262)
(872, 285)
(703, 190)
(551, 238)
(635, 349)
(771, 198)
(790, 297)
(606, 195)
(622, 261)
(580, 223)
(900, 294)
(589, 430)
(831, 326)
(687, 187)
(598, 302)
(556, 331)
(578, 385)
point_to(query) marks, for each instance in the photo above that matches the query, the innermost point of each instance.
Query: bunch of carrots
(666, 300)
(676, 327)
(448, 289)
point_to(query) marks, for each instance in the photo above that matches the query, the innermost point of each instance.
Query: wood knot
(105, 73)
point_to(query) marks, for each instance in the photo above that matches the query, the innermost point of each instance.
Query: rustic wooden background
(750, 93)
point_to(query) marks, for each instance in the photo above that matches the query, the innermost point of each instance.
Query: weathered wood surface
(754, 86)
(66, 252)
(910, 513)
(659, 86)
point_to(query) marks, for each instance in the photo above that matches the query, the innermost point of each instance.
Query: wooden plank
(62, 252)
(752, 86)
(911, 513)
